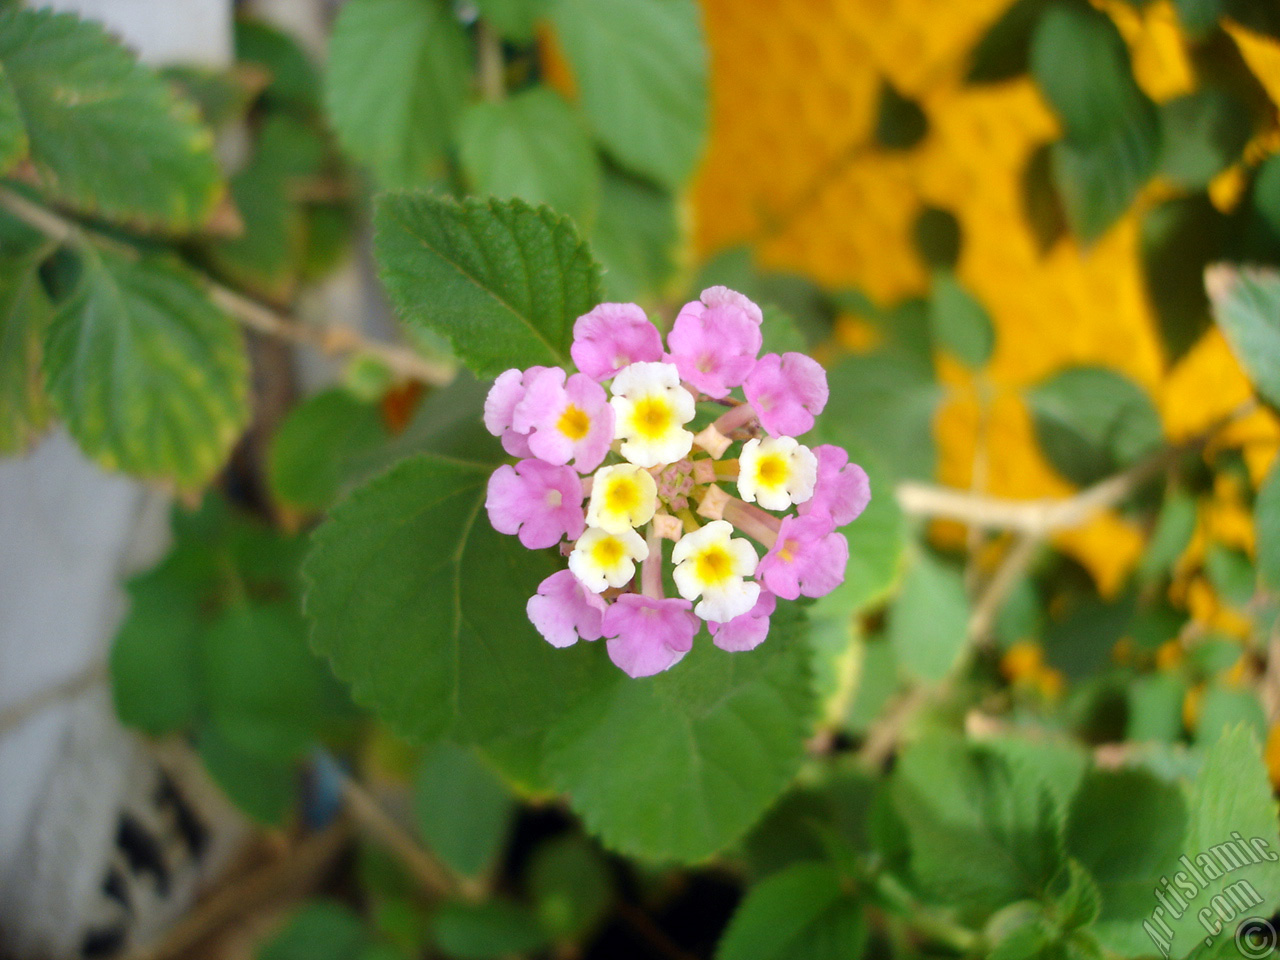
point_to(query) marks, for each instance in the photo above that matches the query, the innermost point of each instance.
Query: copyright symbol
(1255, 939)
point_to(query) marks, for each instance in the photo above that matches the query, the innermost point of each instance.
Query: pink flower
(564, 611)
(565, 421)
(613, 336)
(745, 632)
(787, 392)
(539, 501)
(647, 636)
(500, 408)
(842, 490)
(808, 558)
(714, 341)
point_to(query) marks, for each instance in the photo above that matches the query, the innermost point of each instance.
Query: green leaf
(486, 931)
(13, 133)
(1246, 304)
(294, 80)
(1004, 49)
(929, 620)
(804, 912)
(900, 122)
(107, 136)
(399, 71)
(571, 886)
(1112, 140)
(679, 765)
(1155, 707)
(321, 930)
(1231, 827)
(964, 806)
(1266, 516)
(150, 377)
(641, 71)
(1201, 135)
(1091, 421)
(264, 788)
(266, 692)
(1179, 239)
(1126, 828)
(154, 666)
(420, 606)
(513, 19)
(1223, 708)
(961, 325)
(533, 146)
(503, 281)
(936, 235)
(635, 239)
(1198, 16)
(1173, 532)
(1041, 201)
(24, 318)
(315, 452)
(462, 809)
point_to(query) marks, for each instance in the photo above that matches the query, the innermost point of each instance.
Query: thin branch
(333, 341)
(1042, 518)
(490, 65)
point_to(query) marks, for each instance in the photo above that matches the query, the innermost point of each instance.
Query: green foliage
(936, 235)
(1246, 304)
(317, 450)
(486, 931)
(640, 68)
(635, 239)
(148, 374)
(293, 79)
(503, 281)
(514, 19)
(960, 324)
(106, 136)
(1112, 140)
(805, 912)
(535, 147)
(929, 620)
(571, 887)
(900, 122)
(1004, 50)
(24, 317)
(398, 76)
(1202, 134)
(1091, 422)
(13, 133)
(718, 740)
(1267, 523)
(463, 811)
(321, 930)
(1179, 239)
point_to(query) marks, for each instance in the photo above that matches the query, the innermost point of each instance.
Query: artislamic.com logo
(1254, 937)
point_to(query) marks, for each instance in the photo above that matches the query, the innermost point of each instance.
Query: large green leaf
(533, 146)
(321, 930)
(929, 621)
(1126, 828)
(398, 75)
(148, 374)
(1091, 421)
(107, 136)
(984, 829)
(1112, 138)
(804, 912)
(502, 280)
(24, 315)
(1201, 135)
(1246, 304)
(1231, 827)
(13, 133)
(679, 765)
(635, 238)
(420, 605)
(641, 71)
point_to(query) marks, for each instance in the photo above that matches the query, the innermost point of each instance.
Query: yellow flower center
(622, 496)
(787, 553)
(714, 565)
(573, 423)
(607, 552)
(771, 471)
(653, 417)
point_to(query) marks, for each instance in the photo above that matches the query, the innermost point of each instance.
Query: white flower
(651, 409)
(623, 496)
(712, 565)
(776, 472)
(601, 559)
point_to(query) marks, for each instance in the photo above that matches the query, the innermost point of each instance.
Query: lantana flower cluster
(608, 469)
